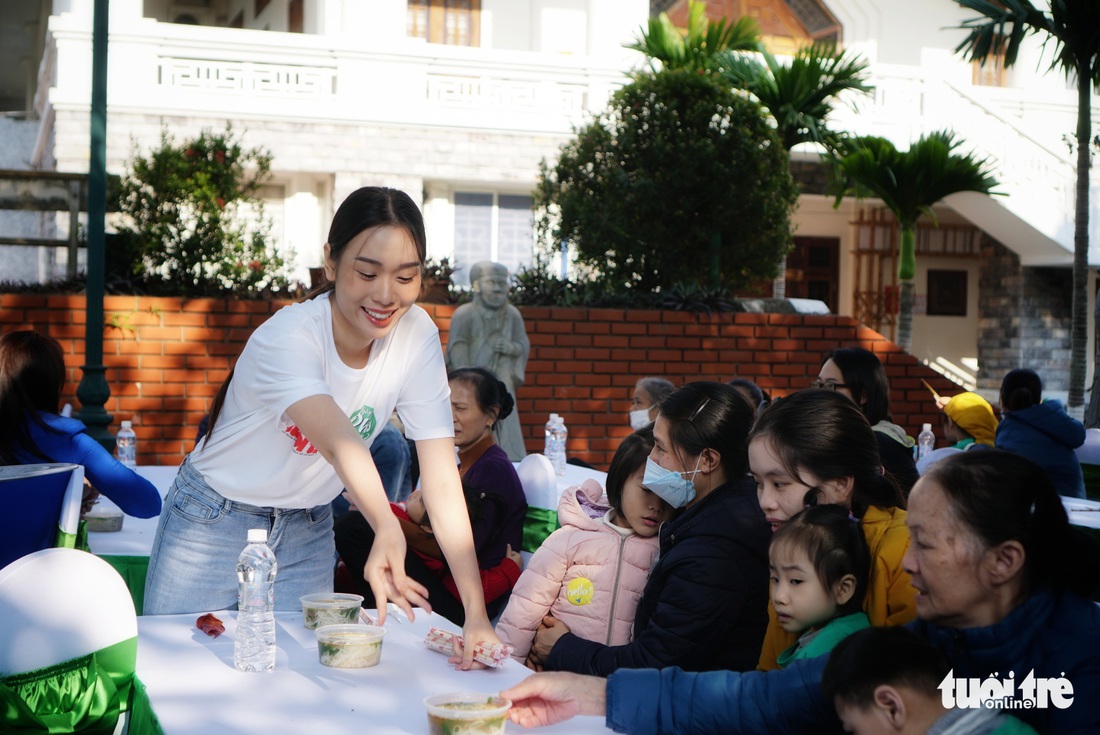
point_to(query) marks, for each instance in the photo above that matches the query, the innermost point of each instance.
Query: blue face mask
(672, 487)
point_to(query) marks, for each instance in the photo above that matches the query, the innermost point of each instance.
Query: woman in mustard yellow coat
(816, 447)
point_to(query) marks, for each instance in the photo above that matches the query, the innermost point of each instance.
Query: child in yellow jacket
(815, 447)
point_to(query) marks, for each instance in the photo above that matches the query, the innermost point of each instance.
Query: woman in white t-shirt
(293, 425)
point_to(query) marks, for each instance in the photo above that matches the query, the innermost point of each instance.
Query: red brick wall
(168, 356)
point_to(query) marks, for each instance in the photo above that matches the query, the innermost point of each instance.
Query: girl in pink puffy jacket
(590, 573)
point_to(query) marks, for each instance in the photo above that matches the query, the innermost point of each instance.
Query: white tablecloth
(195, 690)
(1083, 512)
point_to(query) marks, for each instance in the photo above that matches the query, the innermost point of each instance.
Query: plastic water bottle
(556, 435)
(925, 441)
(126, 445)
(254, 645)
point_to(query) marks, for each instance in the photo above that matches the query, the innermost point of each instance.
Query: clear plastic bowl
(330, 608)
(350, 646)
(467, 713)
(104, 520)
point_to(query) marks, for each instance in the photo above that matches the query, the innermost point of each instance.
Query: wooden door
(813, 270)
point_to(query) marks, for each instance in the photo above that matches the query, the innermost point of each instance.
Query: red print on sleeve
(301, 444)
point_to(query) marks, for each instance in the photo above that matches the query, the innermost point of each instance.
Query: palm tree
(701, 47)
(799, 96)
(802, 94)
(1073, 27)
(909, 183)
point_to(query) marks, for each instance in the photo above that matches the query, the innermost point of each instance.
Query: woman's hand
(385, 572)
(545, 699)
(91, 497)
(550, 630)
(476, 630)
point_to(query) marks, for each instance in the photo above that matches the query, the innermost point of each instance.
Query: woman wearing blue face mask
(704, 607)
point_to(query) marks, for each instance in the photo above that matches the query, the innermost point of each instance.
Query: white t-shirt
(257, 455)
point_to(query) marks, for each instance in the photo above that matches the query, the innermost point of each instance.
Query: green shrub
(680, 180)
(193, 222)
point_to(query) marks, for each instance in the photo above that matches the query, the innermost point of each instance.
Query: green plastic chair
(68, 648)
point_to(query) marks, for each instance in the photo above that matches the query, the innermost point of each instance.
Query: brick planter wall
(168, 356)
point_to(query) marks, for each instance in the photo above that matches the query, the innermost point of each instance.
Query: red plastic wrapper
(210, 625)
(490, 654)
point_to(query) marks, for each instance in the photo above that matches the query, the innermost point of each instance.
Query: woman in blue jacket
(1002, 583)
(704, 607)
(1041, 430)
(32, 375)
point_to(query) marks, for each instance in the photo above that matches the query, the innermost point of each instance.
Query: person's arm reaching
(674, 702)
(446, 506)
(329, 430)
(496, 581)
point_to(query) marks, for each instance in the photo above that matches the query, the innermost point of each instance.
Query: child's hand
(515, 556)
(351, 503)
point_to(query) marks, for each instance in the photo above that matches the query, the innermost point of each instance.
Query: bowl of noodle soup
(467, 713)
(350, 646)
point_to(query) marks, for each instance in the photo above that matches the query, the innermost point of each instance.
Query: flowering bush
(193, 222)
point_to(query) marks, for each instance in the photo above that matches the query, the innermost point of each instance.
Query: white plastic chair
(38, 501)
(540, 483)
(60, 604)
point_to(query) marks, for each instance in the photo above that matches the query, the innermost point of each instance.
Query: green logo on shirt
(364, 422)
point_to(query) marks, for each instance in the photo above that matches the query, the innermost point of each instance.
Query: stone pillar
(1024, 319)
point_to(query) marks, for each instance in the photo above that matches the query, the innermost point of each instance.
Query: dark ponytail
(491, 393)
(825, 434)
(710, 415)
(1021, 388)
(836, 546)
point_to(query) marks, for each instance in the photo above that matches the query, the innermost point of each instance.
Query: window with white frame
(492, 226)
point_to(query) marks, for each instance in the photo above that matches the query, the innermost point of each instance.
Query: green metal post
(93, 390)
(715, 250)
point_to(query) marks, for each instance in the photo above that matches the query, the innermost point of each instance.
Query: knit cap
(974, 415)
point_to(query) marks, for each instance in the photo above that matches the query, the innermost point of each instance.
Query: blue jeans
(193, 563)
(392, 459)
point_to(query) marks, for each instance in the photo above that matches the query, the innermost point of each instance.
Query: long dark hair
(1001, 496)
(366, 207)
(825, 434)
(709, 415)
(32, 375)
(865, 377)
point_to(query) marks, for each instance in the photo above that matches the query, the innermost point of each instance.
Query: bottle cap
(257, 535)
(554, 417)
(127, 425)
(926, 427)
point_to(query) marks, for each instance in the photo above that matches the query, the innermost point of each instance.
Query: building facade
(457, 102)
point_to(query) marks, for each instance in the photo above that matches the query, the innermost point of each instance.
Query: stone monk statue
(489, 333)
